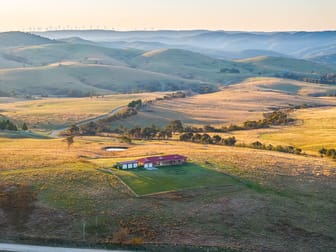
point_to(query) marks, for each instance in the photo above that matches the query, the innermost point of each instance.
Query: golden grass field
(236, 103)
(261, 192)
(315, 130)
(260, 199)
(51, 113)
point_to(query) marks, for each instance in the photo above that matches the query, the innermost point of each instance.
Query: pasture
(172, 178)
(266, 193)
(54, 113)
(234, 104)
(315, 130)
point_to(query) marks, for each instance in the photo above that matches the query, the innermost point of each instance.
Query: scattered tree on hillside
(206, 139)
(175, 126)
(70, 140)
(24, 127)
(135, 104)
(230, 141)
(8, 125)
(74, 130)
(328, 152)
(216, 139)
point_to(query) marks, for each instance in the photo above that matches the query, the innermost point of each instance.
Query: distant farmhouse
(155, 161)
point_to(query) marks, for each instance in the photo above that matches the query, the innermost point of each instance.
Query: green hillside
(31, 64)
(190, 65)
(279, 64)
(329, 59)
(79, 79)
(15, 39)
(53, 53)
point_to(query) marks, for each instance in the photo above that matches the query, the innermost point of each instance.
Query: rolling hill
(77, 79)
(189, 65)
(53, 53)
(329, 59)
(281, 64)
(234, 104)
(289, 43)
(15, 39)
(30, 64)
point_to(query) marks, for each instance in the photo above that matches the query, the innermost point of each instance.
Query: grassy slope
(329, 59)
(20, 134)
(50, 113)
(316, 129)
(15, 39)
(59, 79)
(188, 64)
(172, 178)
(53, 53)
(234, 104)
(279, 64)
(87, 66)
(268, 200)
(197, 66)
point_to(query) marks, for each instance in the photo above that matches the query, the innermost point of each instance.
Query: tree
(209, 128)
(206, 139)
(148, 132)
(186, 136)
(7, 125)
(74, 130)
(216, 139)
(70, 140)
(24, 127)
(196, 138)
(135, 104)
(161, 134)
(258, 145)
(323, 151)
(230, 141)
(169, 134)
(175, 126)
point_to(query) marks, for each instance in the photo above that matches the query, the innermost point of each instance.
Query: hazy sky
(257, 15)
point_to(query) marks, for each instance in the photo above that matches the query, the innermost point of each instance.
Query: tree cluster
(171, 96)
(135, 104)
(327, 78)
(229, 70)
(328, 152)
(270, 119)
(207, 139)
(8, 125)
(149, 133)
(92, 128)
(270, 147)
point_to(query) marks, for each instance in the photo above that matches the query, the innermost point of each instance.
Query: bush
(230, 141)
(8, 125)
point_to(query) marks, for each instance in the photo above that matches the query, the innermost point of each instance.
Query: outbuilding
(157, 161)
(127, 165)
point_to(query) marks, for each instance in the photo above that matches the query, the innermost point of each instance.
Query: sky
(237, 15)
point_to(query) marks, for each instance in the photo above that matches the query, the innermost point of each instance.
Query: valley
(257, 176)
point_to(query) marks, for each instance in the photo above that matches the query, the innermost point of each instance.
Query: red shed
(167, 160)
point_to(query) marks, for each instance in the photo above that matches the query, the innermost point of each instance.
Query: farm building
(162, 161)
(127, 165)
(150, 162)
